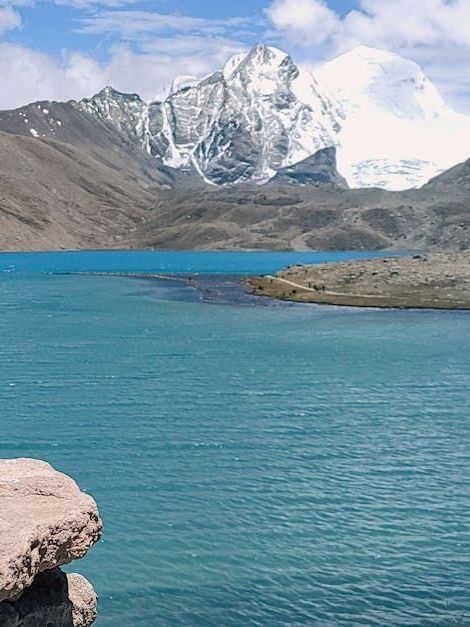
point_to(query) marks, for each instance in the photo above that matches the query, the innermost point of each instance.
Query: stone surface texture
(45, 522)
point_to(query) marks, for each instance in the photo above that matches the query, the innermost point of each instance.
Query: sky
(64, 49)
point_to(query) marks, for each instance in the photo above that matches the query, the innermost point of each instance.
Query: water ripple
(264, 466)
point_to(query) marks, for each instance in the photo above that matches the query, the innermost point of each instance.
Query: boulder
(54, 599)
(45, 522)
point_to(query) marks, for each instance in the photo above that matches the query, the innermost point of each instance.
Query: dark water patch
(217, 289)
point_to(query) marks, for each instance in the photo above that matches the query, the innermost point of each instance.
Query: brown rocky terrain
(53, 196)
(308, 217)
(78, 184)
(437, 281)
(45, 522)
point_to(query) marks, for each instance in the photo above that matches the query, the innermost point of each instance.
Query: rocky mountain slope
(70, 180)
(52, 196)
(67, 123)
(319, 169)
(282, 216)
(456, 179)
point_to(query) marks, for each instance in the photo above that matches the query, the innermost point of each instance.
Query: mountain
(262, 113)
(256, 156)
(457, 178)
(259, 114)
(397, 132)
(69, 179)
(55, 196)
(285, 216)
(91, 134)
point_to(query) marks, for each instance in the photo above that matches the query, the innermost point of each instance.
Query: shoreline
(215, 289)
(438, 281)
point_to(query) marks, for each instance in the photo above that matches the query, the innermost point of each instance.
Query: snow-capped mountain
(259, 114)
(126, 111)
(262, 113)
(397, 131)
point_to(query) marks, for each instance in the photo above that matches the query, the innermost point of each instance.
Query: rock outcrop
(54, 599)
(45, 522)
(319, 169)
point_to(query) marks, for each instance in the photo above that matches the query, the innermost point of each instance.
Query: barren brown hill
(54, 196)
(63, 122)
(285, 216)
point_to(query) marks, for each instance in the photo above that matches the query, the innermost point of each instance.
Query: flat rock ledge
(45, 522)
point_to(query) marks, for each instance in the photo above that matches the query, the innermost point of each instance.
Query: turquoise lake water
(255, 463)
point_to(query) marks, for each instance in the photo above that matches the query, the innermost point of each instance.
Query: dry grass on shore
(435, 281)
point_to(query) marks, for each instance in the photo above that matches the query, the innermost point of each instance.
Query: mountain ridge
(79, 175)
(261, 113)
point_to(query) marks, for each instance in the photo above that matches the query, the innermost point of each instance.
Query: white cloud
(385, 22)
(132, 24)
(310, 21)
(152, 49)
(151, 71)
(28, 75)
(435, 33)
(407, 22)
(9, 19)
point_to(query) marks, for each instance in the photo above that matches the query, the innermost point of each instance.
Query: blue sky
(70, 48)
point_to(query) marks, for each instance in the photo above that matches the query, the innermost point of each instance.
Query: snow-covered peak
(264, 68)
(110, 94)
(126, 111)
(370, 53)
(260, 61)
(397, 130)
(263, 57)
(369, 77)
(107, 91)
(245, 122)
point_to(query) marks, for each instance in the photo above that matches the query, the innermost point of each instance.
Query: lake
(254, 462)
